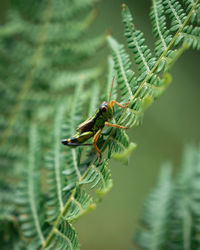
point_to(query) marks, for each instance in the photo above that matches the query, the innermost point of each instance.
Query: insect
(94, 125)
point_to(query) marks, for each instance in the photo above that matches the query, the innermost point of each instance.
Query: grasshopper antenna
(111, 88)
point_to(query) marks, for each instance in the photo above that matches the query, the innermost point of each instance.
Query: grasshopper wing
(86, 125)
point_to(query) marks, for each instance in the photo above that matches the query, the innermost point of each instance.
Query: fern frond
(32, 85)
(191, 37)
(33, 57)
(176, 14)
(79, 204)
(72, 170)
(136, 42)
(94, 102)
(189, 4)
(73, 8)
(157, 211)
(98, 175)
(184, 221)
(65, 237)
(74, 29)
(68, 79)
(69, 53)
(171, 217)
(29, 196)
(125, 76)
(160, 31)
(120, 146)
(55, 168)
(140, 95)
(111, 74)
(153, 78)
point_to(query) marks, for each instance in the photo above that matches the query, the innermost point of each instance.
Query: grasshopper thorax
(106, 110)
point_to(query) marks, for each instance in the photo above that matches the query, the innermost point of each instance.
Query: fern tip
(108, 32)
(123, 6)
(167, 77)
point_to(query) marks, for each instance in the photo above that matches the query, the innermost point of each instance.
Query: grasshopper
(94, 125)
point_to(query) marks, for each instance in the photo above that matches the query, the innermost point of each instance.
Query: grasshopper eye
(104, 109)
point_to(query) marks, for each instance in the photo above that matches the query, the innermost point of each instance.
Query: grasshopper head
(106, 110)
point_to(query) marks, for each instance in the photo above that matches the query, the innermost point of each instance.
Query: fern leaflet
(29, 196)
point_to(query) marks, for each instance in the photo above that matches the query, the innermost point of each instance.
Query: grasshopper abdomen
(70, 140)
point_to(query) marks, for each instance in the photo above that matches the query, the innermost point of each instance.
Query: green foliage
(141, 88)
(29, 195)
(40, 47)
(157, 213)
(184, 223)
(53, 191)
(35, 57)
(171, 216)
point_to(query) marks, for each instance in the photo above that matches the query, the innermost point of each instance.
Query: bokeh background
(170, 123)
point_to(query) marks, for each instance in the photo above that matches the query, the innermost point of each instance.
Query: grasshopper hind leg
(79, 139)
(95, 139)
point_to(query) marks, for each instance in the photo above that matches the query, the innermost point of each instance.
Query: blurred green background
(170, 123)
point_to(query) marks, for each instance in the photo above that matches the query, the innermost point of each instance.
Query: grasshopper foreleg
(120, 105)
